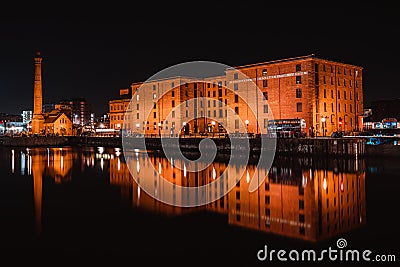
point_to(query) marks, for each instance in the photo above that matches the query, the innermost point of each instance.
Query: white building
(26, 116)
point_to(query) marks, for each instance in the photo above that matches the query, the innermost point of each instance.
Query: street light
(323, 120)
(184, 128)
(159, 129)
(247, 125)
(213, 125)
(137, 129)
(344, 122)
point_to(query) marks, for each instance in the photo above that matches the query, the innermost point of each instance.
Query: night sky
(92, 52)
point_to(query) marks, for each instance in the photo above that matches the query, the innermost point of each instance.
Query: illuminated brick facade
(326, 94)
(117, 109)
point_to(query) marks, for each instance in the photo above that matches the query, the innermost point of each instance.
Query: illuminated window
(299, 107)
(301, 204)
(298, 93)
(266, 108)
(267, 212)
(264, 72)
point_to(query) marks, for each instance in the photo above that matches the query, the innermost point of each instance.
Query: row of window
(338, 108)
(340, 70)
(339, 95)
(339, 83)
(299, 108)
(118, 107)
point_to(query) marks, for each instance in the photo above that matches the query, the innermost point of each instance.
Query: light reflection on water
(301, 198)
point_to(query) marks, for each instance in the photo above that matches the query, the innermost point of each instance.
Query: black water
(81, 206)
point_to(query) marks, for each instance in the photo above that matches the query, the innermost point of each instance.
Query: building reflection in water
(306, 203)
(300, 198)
(50, 162)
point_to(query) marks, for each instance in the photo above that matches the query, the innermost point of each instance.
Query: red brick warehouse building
(328, 95)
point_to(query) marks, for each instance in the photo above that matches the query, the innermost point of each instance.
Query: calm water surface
(83, 203)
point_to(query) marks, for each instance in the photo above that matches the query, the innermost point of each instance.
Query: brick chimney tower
(37, 119)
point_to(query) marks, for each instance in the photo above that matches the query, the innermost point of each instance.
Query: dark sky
(92, 52)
